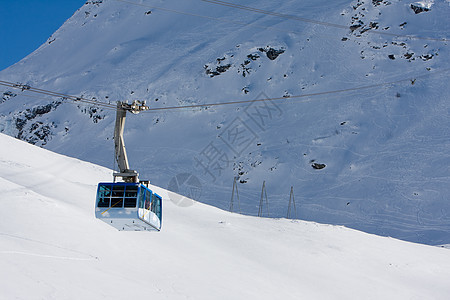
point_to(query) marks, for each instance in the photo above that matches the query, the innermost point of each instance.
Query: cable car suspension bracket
(127, 174)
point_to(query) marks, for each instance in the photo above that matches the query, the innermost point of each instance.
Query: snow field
(51, 243)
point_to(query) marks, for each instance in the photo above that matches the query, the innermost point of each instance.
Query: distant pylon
(291, 202)
(237, 196)
(261, 201)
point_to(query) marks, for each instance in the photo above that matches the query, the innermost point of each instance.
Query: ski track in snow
(87, 256)
(44, 255)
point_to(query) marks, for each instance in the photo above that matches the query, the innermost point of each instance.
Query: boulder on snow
(272, 53)
(419, 7)
(318, 166)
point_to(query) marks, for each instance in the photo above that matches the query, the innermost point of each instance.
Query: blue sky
(27, 24)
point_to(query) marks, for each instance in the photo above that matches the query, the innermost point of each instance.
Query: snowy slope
(385, 149)
(52, 247)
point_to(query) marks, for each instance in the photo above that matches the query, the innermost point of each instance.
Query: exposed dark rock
(418, 9)
(95, 2)
(245, 69)
(42, 133)
(7, 95)
(426, 57)
(42, 110)
(376, 2)
(93, 112)
(372, 25)
(217, 70)
(408, 55)
(20, 123)
(37, 132)
(272, 53)
(35, 126)
(357, 5)
(222, 69)
(391, 56)
(354, 27)
(318, 166)
(253, 56)
(379, 2)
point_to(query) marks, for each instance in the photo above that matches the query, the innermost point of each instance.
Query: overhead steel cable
(209, 17)
(412, 80)
(220, 19)
(286, 16)
(266, 12)
(285, 98)
(301, 19)
(28, 88)
(70, 102)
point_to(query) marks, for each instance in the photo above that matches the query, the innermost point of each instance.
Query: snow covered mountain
(374, 156)
(52, 247)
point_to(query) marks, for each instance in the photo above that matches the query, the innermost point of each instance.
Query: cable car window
(130, 202)
(158, 205)
(141, 197)
(116, 202)
(130, 196)
(104, 192)
(131, 191)
(103, 202)
(153, 207)
(147, 199)
(118, 191)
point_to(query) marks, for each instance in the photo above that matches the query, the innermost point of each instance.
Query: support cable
(413, 80)
(296, 96)
(28, 88)
(301, 19)
(209, 17)
(71, 102)
(285, 16)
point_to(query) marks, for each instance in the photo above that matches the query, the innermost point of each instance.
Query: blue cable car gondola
(127, 205)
